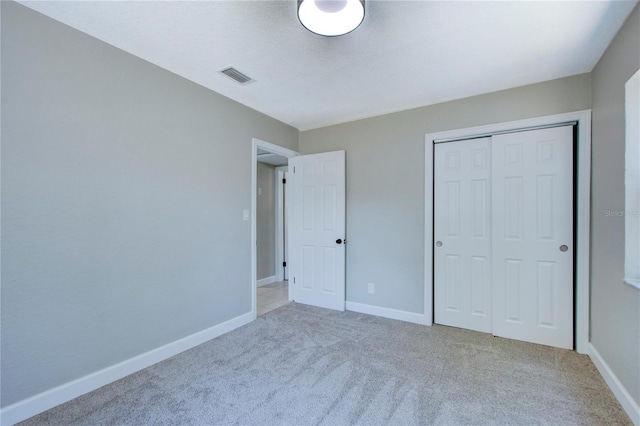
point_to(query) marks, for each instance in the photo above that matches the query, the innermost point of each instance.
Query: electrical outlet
(372, 288)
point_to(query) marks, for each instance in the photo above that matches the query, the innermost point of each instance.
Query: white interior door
(533, 236)
(318, 232)
(462, 234)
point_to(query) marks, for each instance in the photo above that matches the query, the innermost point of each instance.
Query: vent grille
(236, 75)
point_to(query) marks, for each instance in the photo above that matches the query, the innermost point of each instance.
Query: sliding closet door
(532, 236)
(462, 234)
(503, 235)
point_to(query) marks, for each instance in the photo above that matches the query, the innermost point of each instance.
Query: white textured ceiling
(404, 55)
(268, 157)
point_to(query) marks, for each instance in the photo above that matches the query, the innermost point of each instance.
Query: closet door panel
(532, 236)
(462, 231)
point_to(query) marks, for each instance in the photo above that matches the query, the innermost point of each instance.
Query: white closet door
(532, 236)
(462, 232)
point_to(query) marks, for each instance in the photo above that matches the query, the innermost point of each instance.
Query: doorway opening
(270, 288)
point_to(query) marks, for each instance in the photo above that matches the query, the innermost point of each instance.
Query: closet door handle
(563, 248)
(438, 243)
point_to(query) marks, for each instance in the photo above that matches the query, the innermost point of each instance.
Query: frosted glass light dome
(331, 17)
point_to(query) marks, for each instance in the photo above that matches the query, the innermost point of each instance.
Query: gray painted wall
(385, 180)
(123, 187)
(266, 222)
(122, 224)
(615, 306)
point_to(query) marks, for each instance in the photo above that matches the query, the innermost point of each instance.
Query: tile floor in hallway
(272, 296)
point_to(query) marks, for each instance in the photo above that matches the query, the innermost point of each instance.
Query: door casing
(583, 196)
(282, 217)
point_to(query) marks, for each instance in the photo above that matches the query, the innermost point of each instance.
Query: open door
(318, 229)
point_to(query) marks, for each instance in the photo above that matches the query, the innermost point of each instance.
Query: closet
(504, 235)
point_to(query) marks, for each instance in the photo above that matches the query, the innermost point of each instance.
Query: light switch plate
(245, 215)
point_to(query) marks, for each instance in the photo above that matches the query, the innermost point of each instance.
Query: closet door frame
(582, 119)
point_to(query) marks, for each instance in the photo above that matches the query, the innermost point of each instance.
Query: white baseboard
(386, 312)
(265, 281)
(36, 404)
(630, 406)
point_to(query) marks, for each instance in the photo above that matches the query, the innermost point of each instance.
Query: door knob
(563, 248)
(438, 243)
(338, 241)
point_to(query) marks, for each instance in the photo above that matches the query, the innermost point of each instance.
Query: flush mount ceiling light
(331, 17)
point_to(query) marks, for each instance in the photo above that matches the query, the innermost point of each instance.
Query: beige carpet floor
(300, 365)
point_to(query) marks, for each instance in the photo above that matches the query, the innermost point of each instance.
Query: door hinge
(284, 181)
(294, 280)
(284, 264)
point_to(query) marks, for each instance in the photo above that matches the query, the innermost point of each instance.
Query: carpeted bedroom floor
(300, 365)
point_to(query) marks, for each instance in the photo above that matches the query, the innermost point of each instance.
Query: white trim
(279, 249)
(428, 230)
(583, 230)
(265, 281)
(386, 312)
(583, 118)
(280, 219)
(632, 283)
(289, 212)
(39, 403)
(632, 181)
(276, 149)
(624, 397)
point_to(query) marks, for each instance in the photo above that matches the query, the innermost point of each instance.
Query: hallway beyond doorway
(272, 296)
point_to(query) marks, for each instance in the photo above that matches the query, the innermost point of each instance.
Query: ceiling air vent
(236, 75)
